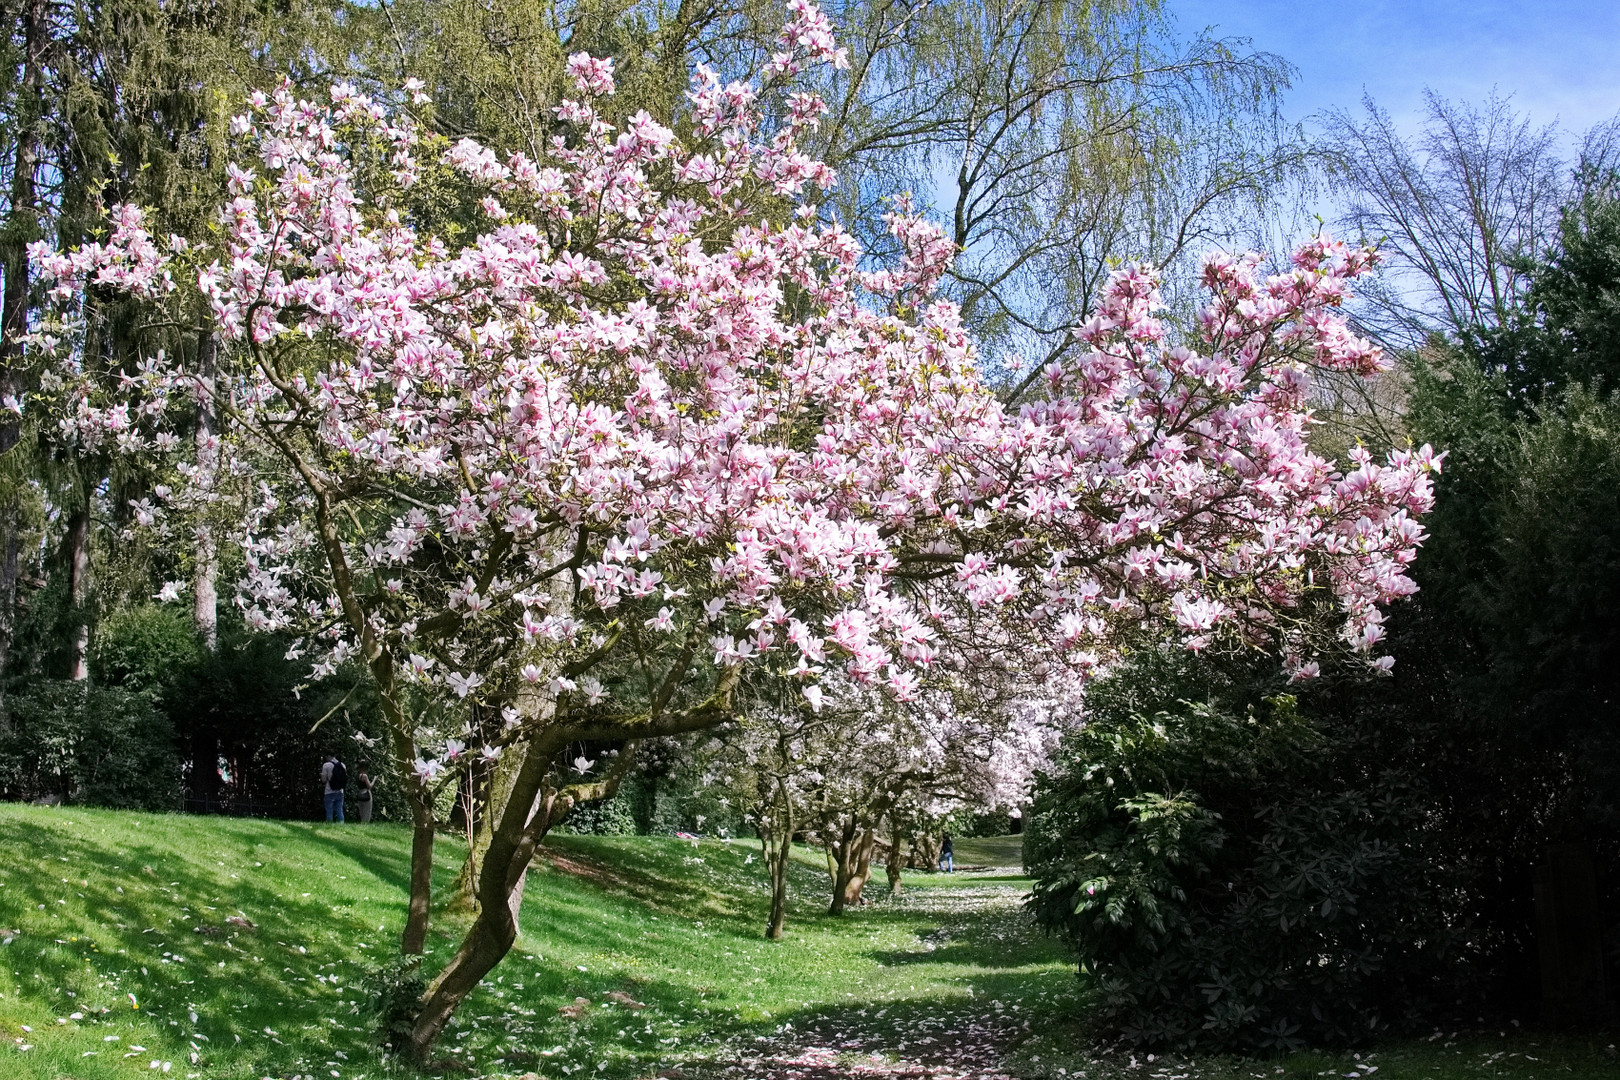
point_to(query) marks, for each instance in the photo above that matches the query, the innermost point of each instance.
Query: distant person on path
(362, 796)
(335, 778)
(946, 863)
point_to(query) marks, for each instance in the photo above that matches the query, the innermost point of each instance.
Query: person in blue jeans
(333, 779)
(946, 862)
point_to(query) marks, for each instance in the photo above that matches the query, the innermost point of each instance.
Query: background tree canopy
(1056, 139)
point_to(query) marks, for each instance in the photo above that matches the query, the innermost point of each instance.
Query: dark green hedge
(1234, 875)
(96, 745)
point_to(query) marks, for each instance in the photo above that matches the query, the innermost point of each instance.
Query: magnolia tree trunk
(839, 860)
(494, 790)
(778, 860)
(925, 852)
(413, 939)
(896, 862)
(775, 825)
(863, 867)
(776, 845)
(532, 806)
(854, 849)
(492, 786)
(533, 802)
(852, 864)
(501, 877)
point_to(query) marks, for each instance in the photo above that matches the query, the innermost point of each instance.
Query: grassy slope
(996, 851)
(109, 904)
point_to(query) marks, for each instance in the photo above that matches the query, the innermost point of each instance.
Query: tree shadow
(145, 903)
(182, 939)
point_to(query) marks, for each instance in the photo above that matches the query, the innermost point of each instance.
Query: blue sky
(1559, 59)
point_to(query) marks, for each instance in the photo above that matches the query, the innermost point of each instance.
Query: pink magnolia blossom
(636, 418)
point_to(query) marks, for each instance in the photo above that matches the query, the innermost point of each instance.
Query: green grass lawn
(118, 955)
(992, 851)
(111, 905)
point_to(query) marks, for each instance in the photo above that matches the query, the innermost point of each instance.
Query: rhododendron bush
(657, 422)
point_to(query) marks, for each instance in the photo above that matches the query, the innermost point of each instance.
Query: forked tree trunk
(925, 852)
(852, 863)
(531, 808)
(838, 865)
(490, 938)
(524, 819)
(776, 842)
(863, 867)
(493, 792)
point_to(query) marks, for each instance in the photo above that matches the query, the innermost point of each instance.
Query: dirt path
(964, 1039)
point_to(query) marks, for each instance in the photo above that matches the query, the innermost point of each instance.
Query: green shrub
(989, 823)
(1232, 875)
(95, 745)
(610, 817)
(394, 989)
(678, 786)
(247, 704)
(145, 649)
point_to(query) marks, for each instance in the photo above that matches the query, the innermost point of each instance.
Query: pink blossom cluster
(1176, 483)
(635, 414)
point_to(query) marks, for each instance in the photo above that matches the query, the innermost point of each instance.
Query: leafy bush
(247, 704)
(241, 717)
(677, 786)
(96, 745)
(989, 823)
(146, 648)
(610, 817)
(394, 989)
(1234, 875)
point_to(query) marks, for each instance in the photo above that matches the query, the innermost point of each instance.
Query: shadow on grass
(125, 929)
(111, 905)
(970, 964)
(391, 864)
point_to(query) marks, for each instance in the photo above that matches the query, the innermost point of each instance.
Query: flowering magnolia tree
(838, 773)
(655, 423)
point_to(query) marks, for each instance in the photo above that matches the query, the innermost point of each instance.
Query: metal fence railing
(231, 805)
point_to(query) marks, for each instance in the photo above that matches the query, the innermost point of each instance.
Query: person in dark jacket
(946, 862)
